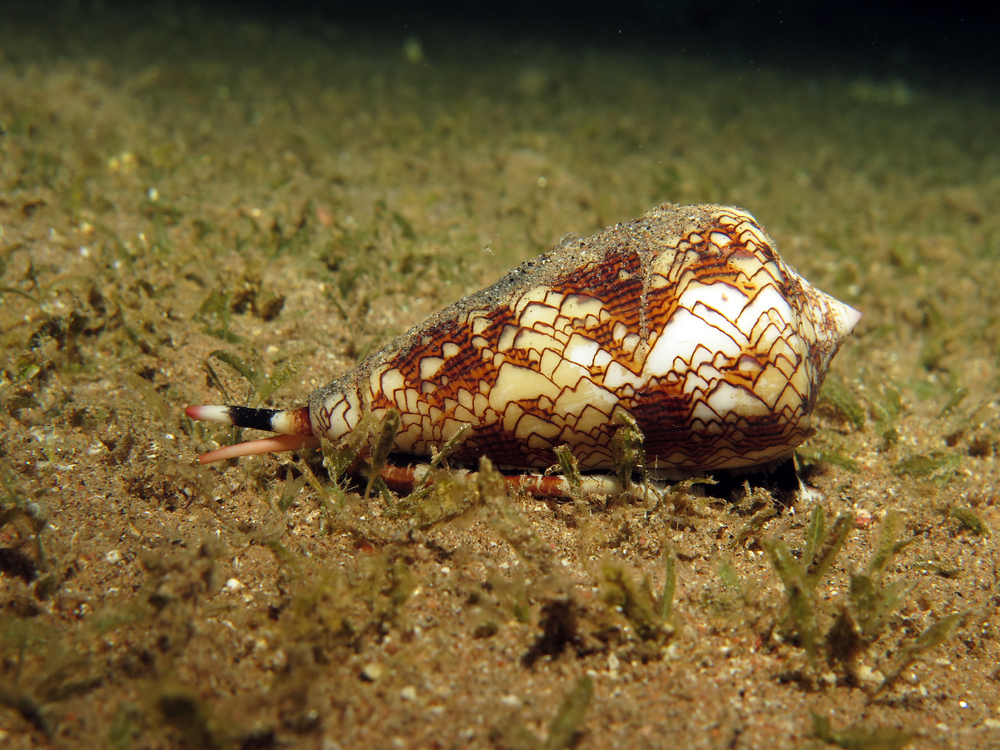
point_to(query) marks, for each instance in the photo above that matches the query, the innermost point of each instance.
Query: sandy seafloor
(177, 183)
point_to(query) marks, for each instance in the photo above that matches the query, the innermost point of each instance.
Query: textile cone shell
(684, 318)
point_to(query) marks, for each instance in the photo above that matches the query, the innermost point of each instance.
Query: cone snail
(685, 319)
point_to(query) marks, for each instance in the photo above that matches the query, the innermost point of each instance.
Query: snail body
(686, 320)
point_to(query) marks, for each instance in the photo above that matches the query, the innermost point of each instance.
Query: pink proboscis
(264, 445)
(292, 424)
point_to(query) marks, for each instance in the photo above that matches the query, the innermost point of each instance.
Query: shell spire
(685, 319)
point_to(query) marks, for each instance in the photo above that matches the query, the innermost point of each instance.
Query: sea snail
(685, 318)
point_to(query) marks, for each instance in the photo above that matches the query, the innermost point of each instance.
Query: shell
(685, 318)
